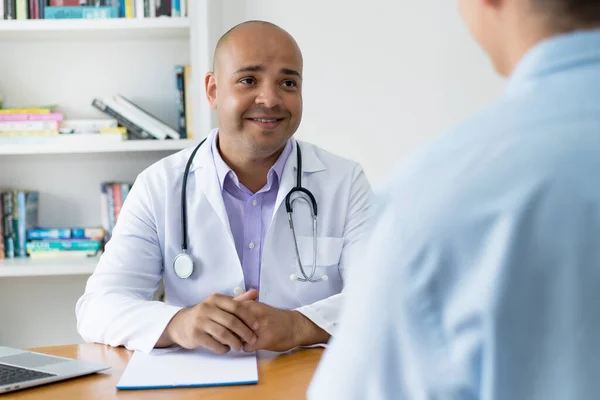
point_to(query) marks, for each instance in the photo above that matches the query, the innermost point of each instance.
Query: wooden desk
(282, 377)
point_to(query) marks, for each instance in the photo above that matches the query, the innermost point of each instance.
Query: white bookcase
(69, 63)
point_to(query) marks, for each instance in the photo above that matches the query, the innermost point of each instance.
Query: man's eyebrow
(288, 71)
(260, 68)
(250, 68)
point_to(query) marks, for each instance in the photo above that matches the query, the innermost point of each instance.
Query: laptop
(20, 369)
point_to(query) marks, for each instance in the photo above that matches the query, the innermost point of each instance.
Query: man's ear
(210, 85)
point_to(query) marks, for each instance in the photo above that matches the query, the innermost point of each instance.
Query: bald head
(253, 31)
(256, 88)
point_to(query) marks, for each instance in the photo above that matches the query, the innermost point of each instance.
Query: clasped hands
(222, 323)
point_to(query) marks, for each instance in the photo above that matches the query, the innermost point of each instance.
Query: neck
(526, 32)
(251, 170)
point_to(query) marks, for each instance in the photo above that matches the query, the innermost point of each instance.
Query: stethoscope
(183, 265)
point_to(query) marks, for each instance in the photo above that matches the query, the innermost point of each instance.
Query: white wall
(380, 76)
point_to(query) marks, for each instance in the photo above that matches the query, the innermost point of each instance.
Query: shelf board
(23, 267)
(116, 28)
(81, 147)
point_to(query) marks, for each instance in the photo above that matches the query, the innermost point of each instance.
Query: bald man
(247, 275)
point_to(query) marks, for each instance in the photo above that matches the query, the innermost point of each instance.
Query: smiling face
(256, 88)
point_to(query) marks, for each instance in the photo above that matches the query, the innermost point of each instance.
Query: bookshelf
(118, 28)
(68, 63)
(127, 146)
(52, 267)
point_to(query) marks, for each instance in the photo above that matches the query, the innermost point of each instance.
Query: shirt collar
(555, 54)
(224, 171)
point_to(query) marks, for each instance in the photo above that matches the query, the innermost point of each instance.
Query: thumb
(251, 294)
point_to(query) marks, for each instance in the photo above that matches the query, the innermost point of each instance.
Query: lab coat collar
(310, 160)
(208, 183)
(554, 55)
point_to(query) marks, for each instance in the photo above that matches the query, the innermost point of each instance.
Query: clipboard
(178, 368)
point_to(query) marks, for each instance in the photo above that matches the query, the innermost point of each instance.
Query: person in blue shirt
(482, 275)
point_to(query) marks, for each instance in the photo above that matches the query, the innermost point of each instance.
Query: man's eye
(289, 83)
(248, 81)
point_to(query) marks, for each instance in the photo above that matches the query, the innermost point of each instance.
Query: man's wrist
(167, 339)
(306, 332)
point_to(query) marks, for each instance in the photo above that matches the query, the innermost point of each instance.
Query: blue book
(51, 233)
(65, 233)
(83, 12)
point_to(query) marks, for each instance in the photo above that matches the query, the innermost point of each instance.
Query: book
(61, 3)
(81, 12)
(65, 233)
(53, 254)
(22, 9)
(25, 111)
(26, 217)
(1, 229)
(180, 100)
(8, 226)
(87, 125)
(188, 101)
(31, 117)
(12, 126)
(164, 127)
(10, 9)
(113, 196)
(64, 245)
(134, 131)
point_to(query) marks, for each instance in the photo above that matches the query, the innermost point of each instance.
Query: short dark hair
(568, 15)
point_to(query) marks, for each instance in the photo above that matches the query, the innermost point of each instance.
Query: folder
(178, 367)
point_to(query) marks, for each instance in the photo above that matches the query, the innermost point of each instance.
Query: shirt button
(251, 245)
(254, 202)
(238, 291)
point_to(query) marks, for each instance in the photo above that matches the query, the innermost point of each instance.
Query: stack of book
(22, 237)
(18, 214)
(36, 122)
(113, 195)
(92, 9)
(64, 242)
(43, 125)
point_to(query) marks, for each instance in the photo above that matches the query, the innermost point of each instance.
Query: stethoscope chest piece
(183, 265)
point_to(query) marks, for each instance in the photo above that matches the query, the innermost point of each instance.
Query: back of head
(568, 15)
(507, 29)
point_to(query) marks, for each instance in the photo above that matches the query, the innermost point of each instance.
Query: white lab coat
(117, 307)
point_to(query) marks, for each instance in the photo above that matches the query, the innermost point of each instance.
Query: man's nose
(269, 97)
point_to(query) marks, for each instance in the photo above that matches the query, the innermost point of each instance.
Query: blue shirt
(484, 260)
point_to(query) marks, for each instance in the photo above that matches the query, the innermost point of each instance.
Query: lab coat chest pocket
(329, 251)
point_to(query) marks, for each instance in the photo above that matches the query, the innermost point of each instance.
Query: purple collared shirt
(249, 213)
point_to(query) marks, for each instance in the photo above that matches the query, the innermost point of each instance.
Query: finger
(251, 294)
(235, 325)
(239, 309)
(208, 342)
(250, 348)
(223, 335)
